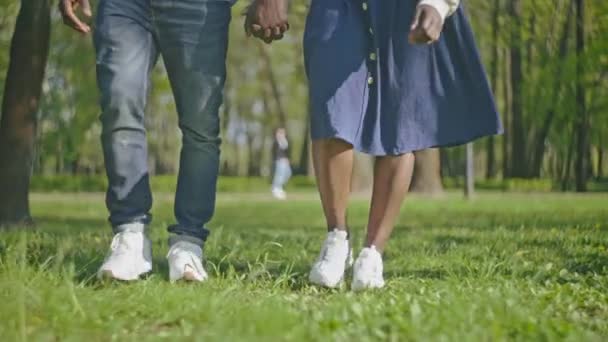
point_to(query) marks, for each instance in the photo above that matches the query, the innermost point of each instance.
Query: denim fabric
(282, 173)
(192, 38)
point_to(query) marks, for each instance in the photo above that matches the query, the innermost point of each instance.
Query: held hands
(426, 26)
(267, 19)
(68, 12)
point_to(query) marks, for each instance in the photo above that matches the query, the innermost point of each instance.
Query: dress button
(370, 80)
(371, 31)
(364, 6)
(372, 56)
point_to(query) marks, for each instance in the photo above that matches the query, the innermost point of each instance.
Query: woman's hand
(267, 19)
(427, 25)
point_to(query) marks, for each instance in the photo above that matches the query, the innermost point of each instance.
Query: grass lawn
(501, 267)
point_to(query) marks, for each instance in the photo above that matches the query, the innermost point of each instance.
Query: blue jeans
(192, 38)
(282, 173)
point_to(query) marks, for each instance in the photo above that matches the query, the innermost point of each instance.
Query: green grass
(501, 267)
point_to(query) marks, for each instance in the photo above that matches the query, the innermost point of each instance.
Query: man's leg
(125, 53)
(193, 39)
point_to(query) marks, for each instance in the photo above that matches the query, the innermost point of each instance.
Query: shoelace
(120, 244)
(374, 270)
(195, 263)
(330, 250)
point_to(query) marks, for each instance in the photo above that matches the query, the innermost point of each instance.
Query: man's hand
(267, 19)
(68, 12)
(427, 25)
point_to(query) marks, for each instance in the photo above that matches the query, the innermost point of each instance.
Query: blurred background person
(282, 167)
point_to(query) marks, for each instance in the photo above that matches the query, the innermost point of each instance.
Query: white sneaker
(335, 257)
(279, 193)
(367, 273)
(130, 255)
(185, 262)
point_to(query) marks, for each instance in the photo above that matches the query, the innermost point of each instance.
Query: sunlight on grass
(499, 267)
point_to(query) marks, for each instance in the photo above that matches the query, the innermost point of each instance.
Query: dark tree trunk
(490, 158)
(539, 149)
(518, 144)
(582, 134)
(568, 165)
(253, 164)
(506, 115)
(490, 147)
(304, 164)
(23, 88)
(446, 163)
(427, 172)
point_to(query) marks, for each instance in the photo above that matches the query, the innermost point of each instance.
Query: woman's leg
(333, 161)
(392, 176)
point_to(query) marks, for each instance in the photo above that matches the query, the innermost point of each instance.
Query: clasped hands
(267, 20)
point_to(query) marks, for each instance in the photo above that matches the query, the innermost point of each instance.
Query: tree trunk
(23, 88)
(582, 122)
(539, 150)
(427, 172)
(490, 147)
(600, 161)
(518, 143)
(568, 165)
(506, 115)
(252, 160)
(303, 164)
(282, 115)
(363, 173)
(469, 187)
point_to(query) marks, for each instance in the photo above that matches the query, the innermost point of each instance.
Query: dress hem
(405, 150)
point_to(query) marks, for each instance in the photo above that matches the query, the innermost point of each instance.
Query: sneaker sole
(109, 275)
(347, 265)
(191, 277)
(361, 288)
(320, 284)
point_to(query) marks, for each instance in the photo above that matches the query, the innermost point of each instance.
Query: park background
(525, 258)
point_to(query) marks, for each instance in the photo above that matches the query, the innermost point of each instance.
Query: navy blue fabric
(370, 87)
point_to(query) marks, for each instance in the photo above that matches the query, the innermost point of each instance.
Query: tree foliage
(266, 87)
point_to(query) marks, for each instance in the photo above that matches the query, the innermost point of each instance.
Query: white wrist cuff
(440, 5)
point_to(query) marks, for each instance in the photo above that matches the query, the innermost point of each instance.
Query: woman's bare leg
(392, 176)
(333, 161)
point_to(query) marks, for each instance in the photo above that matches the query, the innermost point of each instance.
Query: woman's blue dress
(373, 89)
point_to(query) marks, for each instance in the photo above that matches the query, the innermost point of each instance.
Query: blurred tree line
(547, 61)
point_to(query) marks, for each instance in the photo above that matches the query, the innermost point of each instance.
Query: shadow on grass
(423, 273)
(588, 263)
(490, 221)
